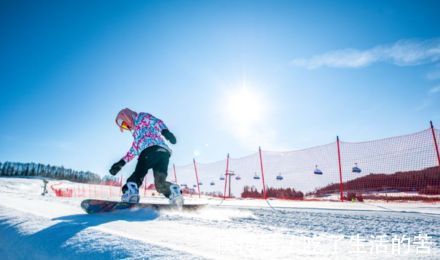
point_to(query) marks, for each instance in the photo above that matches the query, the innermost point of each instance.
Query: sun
(246, 113)
(245, 107)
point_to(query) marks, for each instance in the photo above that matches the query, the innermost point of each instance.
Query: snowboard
(92, 206)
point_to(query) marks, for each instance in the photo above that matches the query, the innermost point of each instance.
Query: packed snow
(33, 226)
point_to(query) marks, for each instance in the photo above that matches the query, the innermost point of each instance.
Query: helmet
(125, 119)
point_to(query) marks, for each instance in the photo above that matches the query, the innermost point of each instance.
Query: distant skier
(153, 154)
(45, 182)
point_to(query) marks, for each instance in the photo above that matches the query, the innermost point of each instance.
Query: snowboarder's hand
(117, 167)
(169, 136)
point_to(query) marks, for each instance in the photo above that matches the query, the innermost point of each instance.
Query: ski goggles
(125, 126)
(122, 124)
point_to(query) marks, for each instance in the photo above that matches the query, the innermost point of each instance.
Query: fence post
(120, 185)
(262, 174)
(226, 176)
(145, 186)
(341, 186)
(175, 176)
(197, 176)
(435, 142)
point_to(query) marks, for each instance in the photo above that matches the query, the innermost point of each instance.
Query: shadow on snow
(55, 237)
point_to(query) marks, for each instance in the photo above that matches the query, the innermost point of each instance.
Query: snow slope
(46, 227)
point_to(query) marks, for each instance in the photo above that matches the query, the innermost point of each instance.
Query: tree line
(279, 193)
(16, 169)
(423, 182)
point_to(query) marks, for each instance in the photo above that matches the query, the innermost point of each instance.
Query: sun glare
(245, 107)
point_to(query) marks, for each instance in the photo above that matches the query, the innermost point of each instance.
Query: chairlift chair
(317, 171)
(356, 169)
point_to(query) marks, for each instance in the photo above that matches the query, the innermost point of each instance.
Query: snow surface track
(46, 227)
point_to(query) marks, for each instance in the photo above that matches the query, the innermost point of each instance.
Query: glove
(169, 136)
(117, 167)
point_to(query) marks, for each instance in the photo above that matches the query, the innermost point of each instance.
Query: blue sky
(306, 71)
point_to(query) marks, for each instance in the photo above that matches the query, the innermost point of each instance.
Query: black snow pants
(156, 158)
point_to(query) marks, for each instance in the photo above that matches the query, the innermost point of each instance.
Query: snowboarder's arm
(166, 132)
(169, 136)
(133, 152)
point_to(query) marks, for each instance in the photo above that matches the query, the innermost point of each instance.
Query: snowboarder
(153, 153)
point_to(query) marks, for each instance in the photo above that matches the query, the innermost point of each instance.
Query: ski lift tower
(230, 174)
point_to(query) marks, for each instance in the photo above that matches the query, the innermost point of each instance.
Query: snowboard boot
(176, 198)
(131, 195)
